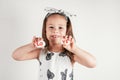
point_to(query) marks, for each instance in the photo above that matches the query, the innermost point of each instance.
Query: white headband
(60, 11)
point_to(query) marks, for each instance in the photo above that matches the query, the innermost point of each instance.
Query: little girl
(60, 52)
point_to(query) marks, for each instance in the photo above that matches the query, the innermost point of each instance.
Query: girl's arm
(29, 51)
(26, 52)
(80, 55)
(84, 57)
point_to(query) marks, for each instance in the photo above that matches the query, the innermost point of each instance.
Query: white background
(96, 28)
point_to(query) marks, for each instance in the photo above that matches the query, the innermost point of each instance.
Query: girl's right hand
(38, 42)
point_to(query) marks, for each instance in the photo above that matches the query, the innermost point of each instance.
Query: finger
(64, 43)
(66, 37)
(40, 39)
(70, 38)
(63, 37)
(34, 39)
(73, 41)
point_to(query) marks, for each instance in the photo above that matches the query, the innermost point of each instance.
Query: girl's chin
(55, 41)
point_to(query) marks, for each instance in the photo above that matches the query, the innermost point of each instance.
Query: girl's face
(56, 28)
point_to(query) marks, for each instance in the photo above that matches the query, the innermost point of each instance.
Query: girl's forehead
(56, 19)
(56, 16)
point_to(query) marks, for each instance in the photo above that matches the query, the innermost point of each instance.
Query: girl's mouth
(55, 36)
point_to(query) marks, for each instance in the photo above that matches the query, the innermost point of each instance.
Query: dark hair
(68, 32)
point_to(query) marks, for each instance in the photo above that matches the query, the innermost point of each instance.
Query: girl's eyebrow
(58, 24)
(50, 24)
(61, 24)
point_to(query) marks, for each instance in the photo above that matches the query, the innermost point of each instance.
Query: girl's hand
(68, 43)
(38, 42)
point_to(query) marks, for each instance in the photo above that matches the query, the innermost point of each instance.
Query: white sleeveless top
(55, 66)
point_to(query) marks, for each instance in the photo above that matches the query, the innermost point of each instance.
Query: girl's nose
(55, 30)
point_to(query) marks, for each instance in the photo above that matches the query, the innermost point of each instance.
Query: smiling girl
(60, 52)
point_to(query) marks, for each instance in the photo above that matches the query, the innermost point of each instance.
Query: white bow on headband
(53, 10)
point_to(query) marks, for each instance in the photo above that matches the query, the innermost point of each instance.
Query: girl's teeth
(55, 36)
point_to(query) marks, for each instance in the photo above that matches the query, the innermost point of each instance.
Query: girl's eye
(51, 27)
(60, 27)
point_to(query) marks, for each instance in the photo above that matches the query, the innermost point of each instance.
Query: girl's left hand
(68, 42)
